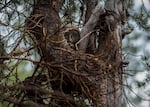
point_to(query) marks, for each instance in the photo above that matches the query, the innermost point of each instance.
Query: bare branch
(90, 5)
(91, 23)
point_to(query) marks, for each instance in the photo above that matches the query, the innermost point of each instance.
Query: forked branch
(90, 24)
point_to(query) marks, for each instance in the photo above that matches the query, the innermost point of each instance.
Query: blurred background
(136, 50)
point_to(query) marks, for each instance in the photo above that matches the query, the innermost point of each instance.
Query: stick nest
(67, 78)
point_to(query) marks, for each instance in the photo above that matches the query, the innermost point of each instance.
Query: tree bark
(110, 50)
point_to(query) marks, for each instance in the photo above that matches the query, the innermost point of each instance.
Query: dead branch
(91, 23)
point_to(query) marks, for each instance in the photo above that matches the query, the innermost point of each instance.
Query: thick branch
(89, 26)
(90, 5)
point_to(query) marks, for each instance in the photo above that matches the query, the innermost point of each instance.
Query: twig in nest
(88, 34)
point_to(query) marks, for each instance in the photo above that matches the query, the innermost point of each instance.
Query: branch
(90, 25)
(90, 5)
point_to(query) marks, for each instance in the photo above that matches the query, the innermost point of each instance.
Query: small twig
(88, 34)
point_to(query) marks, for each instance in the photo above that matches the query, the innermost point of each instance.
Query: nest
(67, 79)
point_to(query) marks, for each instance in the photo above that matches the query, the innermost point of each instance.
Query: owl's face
(72, 37)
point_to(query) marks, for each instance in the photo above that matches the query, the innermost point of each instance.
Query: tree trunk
(91, 71)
